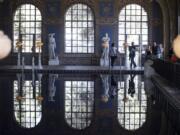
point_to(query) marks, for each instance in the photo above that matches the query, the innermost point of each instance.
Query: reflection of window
(133, 26)
(79, 29)
(79, 100)
(27, 109)
(132, 109)
(27, 26)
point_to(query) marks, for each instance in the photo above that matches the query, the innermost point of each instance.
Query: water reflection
(79, 101)
(52, 87)
(109, 86)
(132, 103)
(27, 103)
(105, 87)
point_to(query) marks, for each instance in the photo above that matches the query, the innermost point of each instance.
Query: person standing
(158, 51)
(132, 54)
(148, 52)
(113, 54)
(154, 48)
(170, 53)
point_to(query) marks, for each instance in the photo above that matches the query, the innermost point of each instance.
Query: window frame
(123, 13)
(88, 119)
(126, 106)
(27, 87)
(35, 28)
(92, 21)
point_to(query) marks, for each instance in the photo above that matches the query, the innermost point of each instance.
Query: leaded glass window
(133, 26)
(79, 29)
(132, 105)
(79, 102)
(27, 108)
(27, 27)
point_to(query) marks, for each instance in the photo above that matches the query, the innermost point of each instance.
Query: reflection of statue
(52, 87)
(53, 59)
(105, 54)
(105, 82)
(52, 46)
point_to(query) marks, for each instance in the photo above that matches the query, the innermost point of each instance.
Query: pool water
(87, 104)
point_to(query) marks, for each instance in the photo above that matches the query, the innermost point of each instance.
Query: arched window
(27, 27)
(79, 101)
(79, 29)
(132, 103)
(133, 27)
(27, 107)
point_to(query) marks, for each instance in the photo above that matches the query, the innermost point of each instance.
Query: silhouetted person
(170, 53)
(132, 54)
(148, 52)
(131, 89)
(154, 49)
(113, 54)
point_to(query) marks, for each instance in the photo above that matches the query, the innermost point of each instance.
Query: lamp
(5, 45)
(39, 44)
(18, 44)
(39, 98)
(176, 46)
(19, 98)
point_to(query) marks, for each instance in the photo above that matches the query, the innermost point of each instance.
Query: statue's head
(51, 35)
(106, 34)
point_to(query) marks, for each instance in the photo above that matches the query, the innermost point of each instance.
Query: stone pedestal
(104, 62)
(54, 61)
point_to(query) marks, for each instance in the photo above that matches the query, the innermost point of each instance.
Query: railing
(168, 70)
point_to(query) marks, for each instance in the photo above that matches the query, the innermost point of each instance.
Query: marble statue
(52, 46)
(52, 87)
(104, 61)
(53, 59)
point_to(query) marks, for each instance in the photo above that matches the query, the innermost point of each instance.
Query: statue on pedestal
(104, 61)
(53, 59)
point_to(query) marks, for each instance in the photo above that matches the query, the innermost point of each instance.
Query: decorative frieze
(89, 2)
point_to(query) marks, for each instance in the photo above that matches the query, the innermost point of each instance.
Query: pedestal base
(104, 62)
(54, 61)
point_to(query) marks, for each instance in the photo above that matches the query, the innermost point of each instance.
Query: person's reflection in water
(131, 89)
(113, 88)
